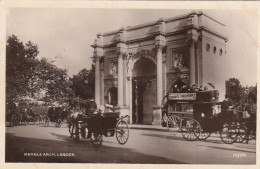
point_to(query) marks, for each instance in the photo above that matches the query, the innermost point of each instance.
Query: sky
(64, 35)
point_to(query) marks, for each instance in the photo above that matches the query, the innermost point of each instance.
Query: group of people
(185, 89)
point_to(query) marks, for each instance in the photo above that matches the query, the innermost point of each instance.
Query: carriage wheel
(190, 129)
(83, 129)
(228, 134)
(37, 120)
(58, 123)
(241, 135)
(165, 120)
(122, 132)
(75, 132)
(204, 135)
(96, 136)
(252, 135)
(174, 122)
(46, 121)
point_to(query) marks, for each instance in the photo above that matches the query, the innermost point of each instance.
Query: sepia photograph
(131, 86)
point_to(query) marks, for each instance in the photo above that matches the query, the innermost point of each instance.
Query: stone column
(121, 53)
(97, 80)
(102, 102)
(130, 99)
(159, 48)
(120, 79)
(192, 61)
(127, 95)
(160, 43)
(98, 53)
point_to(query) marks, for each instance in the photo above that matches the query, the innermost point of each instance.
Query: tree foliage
(20, 61)
(234, 90)
(83, 83)
(239, 94)
(50, 83)
(252, 95)
(26, 75)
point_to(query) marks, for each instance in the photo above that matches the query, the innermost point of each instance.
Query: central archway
(143, 91)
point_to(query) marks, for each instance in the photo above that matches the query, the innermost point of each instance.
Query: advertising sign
(182, 96)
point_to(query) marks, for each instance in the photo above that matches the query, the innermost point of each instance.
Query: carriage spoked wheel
(96, 135)
(83, 128)
(190, 129)
(228, 134)
(241, 131)
(174, 122)
(36, 120)
(122, 132)
(204, 135)
(252, 135)
(74, 132)
(46, 121)
(58, 123)
(241, 135)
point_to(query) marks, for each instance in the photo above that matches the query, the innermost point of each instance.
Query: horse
(75, 117)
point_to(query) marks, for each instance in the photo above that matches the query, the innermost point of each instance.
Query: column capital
(96, 58)
(121, 54)
(159, 46)
(192, 41)
(160, 42)
(98, 52)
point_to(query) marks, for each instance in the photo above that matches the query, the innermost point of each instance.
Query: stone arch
(132, 61)
(111, 96)
(144, 67)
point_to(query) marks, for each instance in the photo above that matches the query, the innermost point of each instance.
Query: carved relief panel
(179, 59)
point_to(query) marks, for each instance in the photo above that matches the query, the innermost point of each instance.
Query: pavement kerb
(148, 127)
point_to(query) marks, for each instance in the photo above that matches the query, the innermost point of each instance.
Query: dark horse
(87, 109)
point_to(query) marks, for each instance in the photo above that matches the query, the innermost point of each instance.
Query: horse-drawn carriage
(199, 114)
(55, 115)
(19, 117)
(95, 125)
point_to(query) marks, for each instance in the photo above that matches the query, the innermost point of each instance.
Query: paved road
(51, 144)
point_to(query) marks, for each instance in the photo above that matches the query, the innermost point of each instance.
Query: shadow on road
(84, 152)
(174, 137)
(228, 149)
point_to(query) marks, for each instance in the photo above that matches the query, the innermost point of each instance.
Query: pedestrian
(194, 88)
(205, 88)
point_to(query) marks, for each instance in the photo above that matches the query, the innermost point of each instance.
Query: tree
(83, 83)
(28, 76)
(50, 83)
(20, 62)
(239, 94)
(234, 90)
(252, 95)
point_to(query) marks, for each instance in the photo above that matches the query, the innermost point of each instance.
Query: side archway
(111, 96)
